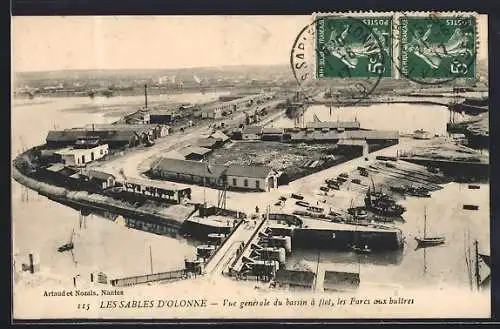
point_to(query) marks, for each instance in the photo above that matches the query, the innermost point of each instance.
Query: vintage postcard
(332, 165)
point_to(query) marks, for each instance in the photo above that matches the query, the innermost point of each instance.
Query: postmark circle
(346, 49)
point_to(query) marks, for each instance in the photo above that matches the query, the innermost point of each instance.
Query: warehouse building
(357, 147)
(333, 125)
(371, 136)
(209, 143)
(153, 130)
(97, 179)
(219, 109)
(157, 190)
(83, 151)
(116, 136)
(258, 178)
(194, 153)
(219, 136)
(186, 171)
(251, 178)
(272, 134)
(252, 133)
(162, 116)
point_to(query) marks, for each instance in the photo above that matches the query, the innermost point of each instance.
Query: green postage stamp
(410, 46)
(353, 46)
(437, 47)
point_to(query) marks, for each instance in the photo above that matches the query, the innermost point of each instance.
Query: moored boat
(428, 241)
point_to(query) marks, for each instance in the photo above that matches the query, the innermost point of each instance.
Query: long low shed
(162, 190)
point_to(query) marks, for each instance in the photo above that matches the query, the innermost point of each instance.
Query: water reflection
(412, 267)
(41, 225)
(408, 116)
(348, 257)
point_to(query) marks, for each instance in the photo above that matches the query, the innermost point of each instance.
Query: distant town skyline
(158, 42)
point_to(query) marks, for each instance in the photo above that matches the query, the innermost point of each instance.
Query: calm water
(405, 118)
(436, 266)
(41, 225)
(439, 266)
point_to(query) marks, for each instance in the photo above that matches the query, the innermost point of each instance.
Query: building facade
(81, 156)
(236, 177)
(257, 178)
(252, 133)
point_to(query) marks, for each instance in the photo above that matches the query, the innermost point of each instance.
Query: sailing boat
(428, 241)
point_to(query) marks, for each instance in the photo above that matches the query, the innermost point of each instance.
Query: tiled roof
(248, 171)
(219, 134)
(64, 135)
(272, 131)
(138, 128)
(71, 135)
(252, 130)
(188, 167)
(94, 174)
(194, 150)
(206, 142)
(333, 124)
(372, 134)
(156, 184)
(349, 134)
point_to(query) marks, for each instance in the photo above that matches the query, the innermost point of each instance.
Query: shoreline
(82, 199)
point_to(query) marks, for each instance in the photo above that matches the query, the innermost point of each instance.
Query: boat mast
(425, 261)
(317, 270)
(425, 222)
(476, 267)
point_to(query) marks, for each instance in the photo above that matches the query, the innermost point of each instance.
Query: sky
(158, 42)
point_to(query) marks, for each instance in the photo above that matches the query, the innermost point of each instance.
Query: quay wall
(385, 101)
(83, 200)
(200, 229)
(453, 168)
(334, 239)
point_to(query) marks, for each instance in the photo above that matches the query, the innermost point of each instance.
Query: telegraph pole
(151, 259)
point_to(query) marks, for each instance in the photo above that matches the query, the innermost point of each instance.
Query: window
(257, 183)
(101, 152)
(235, 182)
(245, 182)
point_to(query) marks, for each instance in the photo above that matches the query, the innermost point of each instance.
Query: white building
(80, 156)
(259, 178)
